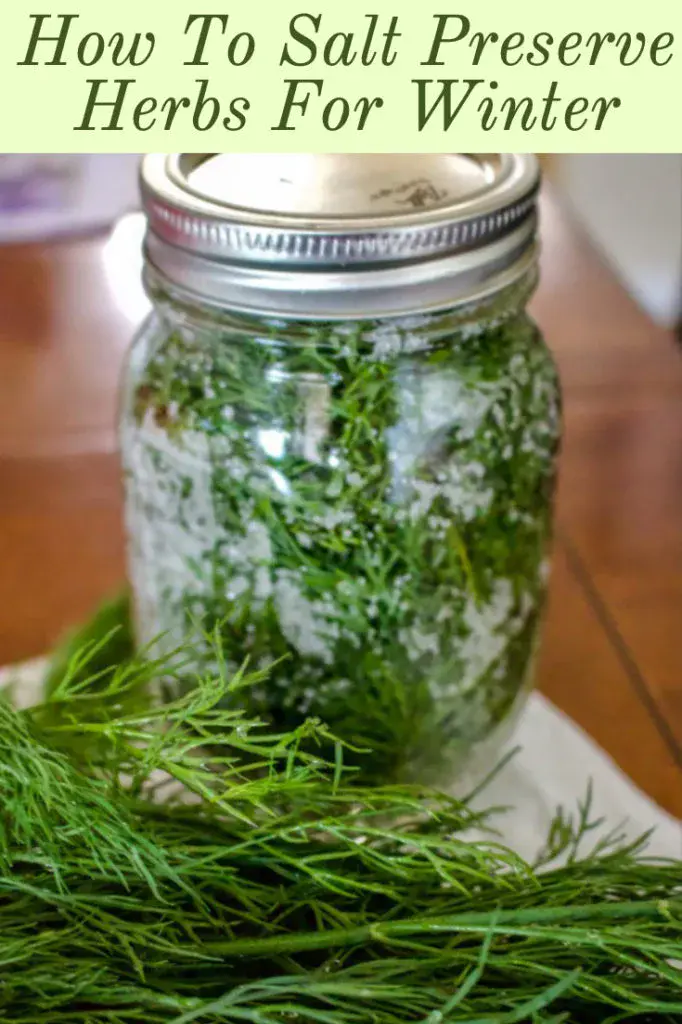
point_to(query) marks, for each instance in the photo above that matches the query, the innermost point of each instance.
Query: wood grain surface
(612, 651)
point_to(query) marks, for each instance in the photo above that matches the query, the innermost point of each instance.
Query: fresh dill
(176, 860)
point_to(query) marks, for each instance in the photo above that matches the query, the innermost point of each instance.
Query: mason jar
(339, 436)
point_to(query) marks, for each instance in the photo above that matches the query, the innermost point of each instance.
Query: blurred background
(631, 206)
(610, 305)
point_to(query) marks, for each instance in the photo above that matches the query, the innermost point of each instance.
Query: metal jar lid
(328, 236)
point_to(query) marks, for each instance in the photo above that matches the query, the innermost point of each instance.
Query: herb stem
(516, 922)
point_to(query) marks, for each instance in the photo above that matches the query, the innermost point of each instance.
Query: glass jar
(354, 489)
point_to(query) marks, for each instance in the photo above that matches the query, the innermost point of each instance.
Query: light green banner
(350, 76)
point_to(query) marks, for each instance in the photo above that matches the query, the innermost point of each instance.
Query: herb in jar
(364, 508)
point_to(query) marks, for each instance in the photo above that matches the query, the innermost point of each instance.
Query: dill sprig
(175, 860)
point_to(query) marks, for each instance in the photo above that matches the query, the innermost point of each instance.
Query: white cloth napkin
(554, 766)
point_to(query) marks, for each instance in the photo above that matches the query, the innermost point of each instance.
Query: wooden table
(612, 656)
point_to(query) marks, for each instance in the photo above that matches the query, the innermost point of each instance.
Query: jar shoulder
(482, 350)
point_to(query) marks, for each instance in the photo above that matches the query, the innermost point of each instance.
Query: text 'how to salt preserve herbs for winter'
(335, 72)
